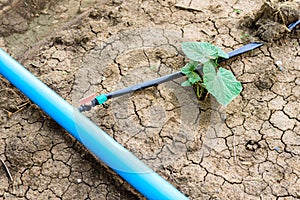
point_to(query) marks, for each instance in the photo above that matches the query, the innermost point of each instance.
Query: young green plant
(218, 81)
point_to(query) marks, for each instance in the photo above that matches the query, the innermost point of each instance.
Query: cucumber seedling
(218, 81)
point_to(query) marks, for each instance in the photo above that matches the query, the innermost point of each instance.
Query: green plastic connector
(102, 98)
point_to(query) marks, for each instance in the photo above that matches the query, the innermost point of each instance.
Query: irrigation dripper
(93, 100)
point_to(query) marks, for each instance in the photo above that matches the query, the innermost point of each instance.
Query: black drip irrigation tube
(102, 98)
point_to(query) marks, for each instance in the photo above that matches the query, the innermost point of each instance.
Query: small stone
(278, 63)
(252, 145)
(79, 180)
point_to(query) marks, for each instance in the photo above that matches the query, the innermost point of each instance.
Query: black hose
(154, 82)
(169, 77)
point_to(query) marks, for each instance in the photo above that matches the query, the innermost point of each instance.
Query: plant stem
(202, 91)
(198, 95)
(216, 61)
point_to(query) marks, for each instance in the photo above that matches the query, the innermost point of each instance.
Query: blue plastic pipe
(123, 162)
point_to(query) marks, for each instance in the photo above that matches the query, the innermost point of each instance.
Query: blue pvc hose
(123, 162)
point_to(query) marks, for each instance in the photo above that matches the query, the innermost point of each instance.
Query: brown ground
(271, 20)
(248, 150)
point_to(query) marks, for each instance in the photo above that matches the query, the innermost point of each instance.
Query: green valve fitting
(102, 98)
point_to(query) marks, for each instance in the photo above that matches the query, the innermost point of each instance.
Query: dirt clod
(271, 20)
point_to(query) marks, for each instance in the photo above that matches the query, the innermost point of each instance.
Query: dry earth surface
(248, 150)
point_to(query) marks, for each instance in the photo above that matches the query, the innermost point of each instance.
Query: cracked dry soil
(248, 150)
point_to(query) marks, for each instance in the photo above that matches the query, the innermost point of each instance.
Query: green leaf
(193, 78)
(199, 51)
(222, 53)
(189, 67)
(186, 83)
(222, 84)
